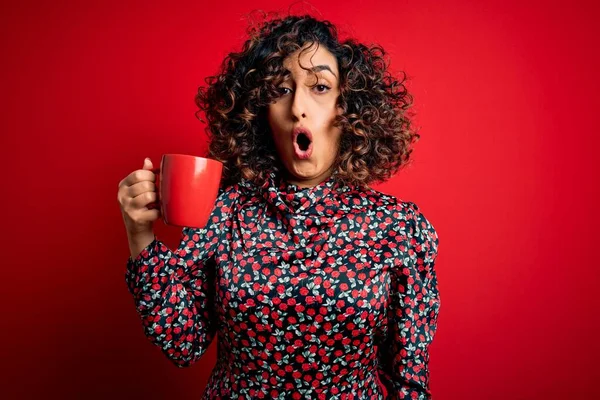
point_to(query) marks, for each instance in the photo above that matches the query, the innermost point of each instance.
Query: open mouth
(302, 143)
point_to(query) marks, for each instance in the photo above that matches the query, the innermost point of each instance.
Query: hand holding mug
(136, 191)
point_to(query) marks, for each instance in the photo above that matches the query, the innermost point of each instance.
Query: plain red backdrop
(507, 99)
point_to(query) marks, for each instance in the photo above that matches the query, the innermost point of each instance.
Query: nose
(298, 106)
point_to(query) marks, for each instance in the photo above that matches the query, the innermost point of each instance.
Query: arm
(413, 309)
(172, 290)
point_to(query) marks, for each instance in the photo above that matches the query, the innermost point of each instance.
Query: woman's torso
(302, 279)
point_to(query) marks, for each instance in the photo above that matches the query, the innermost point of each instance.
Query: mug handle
(156, 204)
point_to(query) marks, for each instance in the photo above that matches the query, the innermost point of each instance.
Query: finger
(141, 187)
(141, 201)
(147, 164)
(140, 175)
(150, 215)
(144, 216)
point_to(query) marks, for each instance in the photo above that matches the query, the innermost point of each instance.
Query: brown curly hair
(376, 129)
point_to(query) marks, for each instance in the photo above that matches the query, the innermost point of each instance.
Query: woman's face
(301, 119)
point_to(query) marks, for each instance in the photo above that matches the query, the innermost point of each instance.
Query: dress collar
(292, 198)
(323, 198)
(305, 215)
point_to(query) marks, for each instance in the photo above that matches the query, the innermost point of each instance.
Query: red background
(507, 99)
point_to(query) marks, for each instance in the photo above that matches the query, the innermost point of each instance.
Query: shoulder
(412, 217)
(399, 216)
(369, 198)
(419, 231)
(411, 237)
(406, 219)
(387, 205)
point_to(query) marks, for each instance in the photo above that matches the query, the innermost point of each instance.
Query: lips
(303, 142)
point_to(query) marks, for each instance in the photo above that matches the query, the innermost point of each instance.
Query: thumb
(147, 163)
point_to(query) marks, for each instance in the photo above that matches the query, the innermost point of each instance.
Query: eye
(282, 90)
(322, 88)
(319, 88)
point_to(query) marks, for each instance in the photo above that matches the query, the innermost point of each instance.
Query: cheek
(331, 143)
(276, 120)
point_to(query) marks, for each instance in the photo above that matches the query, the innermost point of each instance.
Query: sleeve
(172, 290)
(414, 303)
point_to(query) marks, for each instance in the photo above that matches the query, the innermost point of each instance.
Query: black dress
(326, 292)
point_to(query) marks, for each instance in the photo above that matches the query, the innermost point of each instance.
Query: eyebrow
(316, 68)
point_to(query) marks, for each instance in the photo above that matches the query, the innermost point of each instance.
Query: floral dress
(326, 292)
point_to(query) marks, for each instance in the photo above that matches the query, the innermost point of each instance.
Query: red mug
(187, 188)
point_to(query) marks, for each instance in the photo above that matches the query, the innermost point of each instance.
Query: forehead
(309, 56)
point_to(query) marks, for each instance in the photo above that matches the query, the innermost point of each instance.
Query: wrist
(138, 242)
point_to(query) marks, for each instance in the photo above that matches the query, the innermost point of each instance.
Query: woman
(319, 286)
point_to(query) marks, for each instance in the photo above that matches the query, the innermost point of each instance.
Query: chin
(305, 169)
(304, 172)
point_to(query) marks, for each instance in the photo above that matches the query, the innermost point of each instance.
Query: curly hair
(377, 133)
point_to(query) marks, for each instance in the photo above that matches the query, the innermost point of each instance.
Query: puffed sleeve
(414, 303)
(173, 290)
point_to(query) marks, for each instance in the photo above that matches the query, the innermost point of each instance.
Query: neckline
(288, 198)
